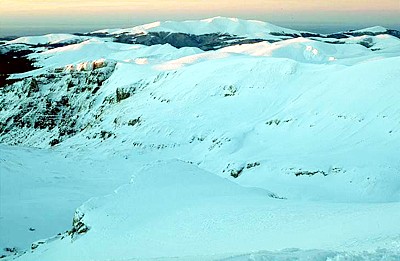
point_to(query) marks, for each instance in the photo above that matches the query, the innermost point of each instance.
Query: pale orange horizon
(31, 14)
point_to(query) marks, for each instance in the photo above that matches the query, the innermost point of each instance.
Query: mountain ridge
(250, 29)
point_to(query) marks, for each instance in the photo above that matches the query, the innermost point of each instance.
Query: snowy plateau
(217, 139)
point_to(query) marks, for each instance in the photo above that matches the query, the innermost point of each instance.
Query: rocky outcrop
(78, 225)
(52, 105)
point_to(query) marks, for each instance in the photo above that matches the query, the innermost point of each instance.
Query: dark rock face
(49, 104)
(394, 33)
(14, 58)
(236, 172)
(78, 225)
(306, 34)
(287, 35)
(205, 42)
(310, 173)
(122, 94)
(348, 34)
(13, 61)
(337, 36)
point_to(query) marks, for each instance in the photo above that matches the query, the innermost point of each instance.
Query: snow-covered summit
(224, 25)
(373, 29)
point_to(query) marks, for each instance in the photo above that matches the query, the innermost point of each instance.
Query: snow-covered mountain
(216, 25)
(221, 138)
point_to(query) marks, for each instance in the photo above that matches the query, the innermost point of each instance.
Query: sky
(32, 17)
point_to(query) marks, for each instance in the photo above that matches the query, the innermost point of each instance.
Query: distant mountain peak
(219, 24)
(373, 29)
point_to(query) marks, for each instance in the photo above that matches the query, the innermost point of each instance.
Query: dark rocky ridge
(13, 61)
(391, 32)
(206, 42)
(214, 41)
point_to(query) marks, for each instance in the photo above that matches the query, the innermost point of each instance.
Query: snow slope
(233, 153)
(46, 39)
(174, 209)
(41, 189)
(97, 49)
(373, 29)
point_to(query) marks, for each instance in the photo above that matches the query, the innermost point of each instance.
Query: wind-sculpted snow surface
(314, 255)
(41, 189)
(308, 123)
(173, 209)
